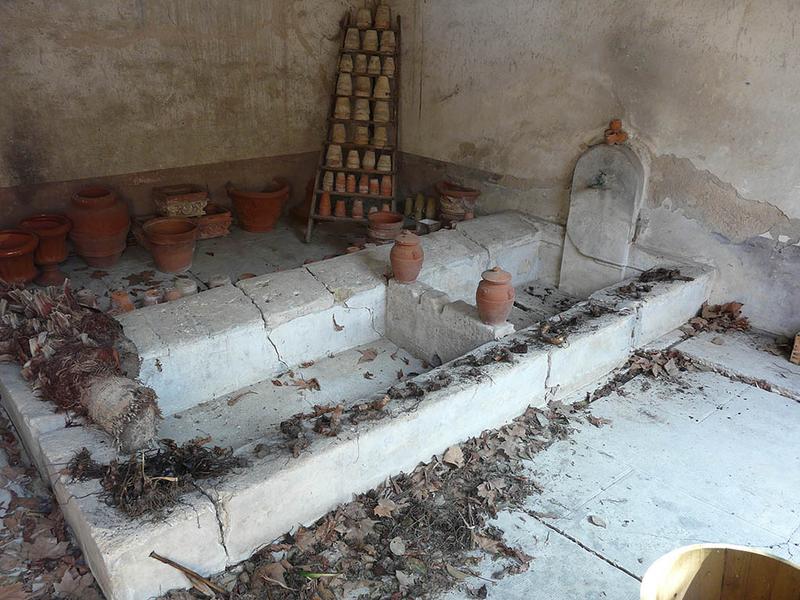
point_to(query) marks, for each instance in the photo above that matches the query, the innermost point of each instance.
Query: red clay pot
(406, 257)
(384, 225)
(495, 296)
(100, 224)
(215, 222)
(324, 208)
(259, 211)
(16, 255)
(52, 232)
(171, 241)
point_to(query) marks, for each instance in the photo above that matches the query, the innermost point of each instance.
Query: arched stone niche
(607, 189)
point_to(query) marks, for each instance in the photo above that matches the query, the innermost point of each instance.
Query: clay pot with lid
(406, 257)
(100, 224)
(52, 232)
(171, 241)
(16, 255)
(495, 296)
(259, 211)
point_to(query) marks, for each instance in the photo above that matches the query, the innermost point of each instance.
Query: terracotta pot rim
(162, 231)
(281, 190)
(214, 210)
(93, 191)
(384, 219)
(448, 188)
(46, 224)
(26, 242)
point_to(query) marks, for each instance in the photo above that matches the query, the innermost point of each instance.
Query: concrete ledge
(286, 295)
(428, 324)
(200, 347)
(117, 548)
(348, 275)
(453, 264)
(667, 306)
(31, 416)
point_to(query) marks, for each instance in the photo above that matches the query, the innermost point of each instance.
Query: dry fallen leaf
(397, 546)
(455, 573)
(368, 375)
(597, 521)
(367, 355)
(303, 384)
(385, 507)
(336, 326)
(597, 421)
(454, 456)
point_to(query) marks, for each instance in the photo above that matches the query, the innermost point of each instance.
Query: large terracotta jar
(52, 250)
(100, 224)
(259, 211)
(171, 241)
(495, 296)
(406, 257)
(16, 255)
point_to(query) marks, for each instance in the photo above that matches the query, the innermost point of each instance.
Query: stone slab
(286, 295)
(738, 353)
(116, 547)
(560, 569)
(200, 347)
(31, 416)
(453, 264)
(350, 274)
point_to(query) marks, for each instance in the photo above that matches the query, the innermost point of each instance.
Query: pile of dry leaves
(413, 535)
(38, 558)
(719, 318)
(153, 480)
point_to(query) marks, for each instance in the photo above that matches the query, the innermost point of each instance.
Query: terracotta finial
(614, 134)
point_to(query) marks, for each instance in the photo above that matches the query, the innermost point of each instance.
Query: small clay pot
(341, 182)
(363, 184)
(369, 160)
(384, 225)
(358, 209)
(259, 211)
(370, 40)
(342, 108)
(361, 111)
(406, 257)
(379, 137)
(338, 133)
(172, 294)
(374, 66)
(495, 296)
(381, 114)
(352, 39)
(360, 65)
(361, 136)
(353, 160)
(16, 255)
(383, 16)
(382, 89)
(351, 184)
(171, 241)
(333, 158)
(387, 41)
(152, 297)
(344, 85)
(215, 222)
(327, 181)
(52, 249)
(386, 185)
(388, 66)
(374, 186)
(363, 18)
(186, 286)
(341, 209)
(324, 207)
(100, 224)
(121, 302)
(385, 163)
(363, 87)
(346, 63)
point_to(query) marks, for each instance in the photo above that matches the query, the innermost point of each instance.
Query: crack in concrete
(266, 329)
(477, 243)
(371, 316)
(577, 542)
(217, 510)
(325, 285)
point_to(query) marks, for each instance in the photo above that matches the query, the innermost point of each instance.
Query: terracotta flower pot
(216, 222)
(16, 255)
(259, 211)
(495, 296)
(384, 225)
(121, 302)
(324, 208)
(52, 232)
(171, 241)
(341, 209)
(406, 257)
(100, 224)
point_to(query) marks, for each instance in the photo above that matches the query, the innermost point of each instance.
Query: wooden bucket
(720, 572)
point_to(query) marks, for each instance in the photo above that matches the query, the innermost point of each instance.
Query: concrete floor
(701, 459)
(238, 253)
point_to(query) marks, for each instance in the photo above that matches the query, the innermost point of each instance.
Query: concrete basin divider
(227, 519)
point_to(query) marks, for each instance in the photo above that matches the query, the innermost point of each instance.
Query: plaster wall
(507, 95)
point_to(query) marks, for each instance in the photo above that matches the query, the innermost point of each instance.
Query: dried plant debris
(415, 535)
(719, 318)
(78, 359)
(152, 480)
(659, 274)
